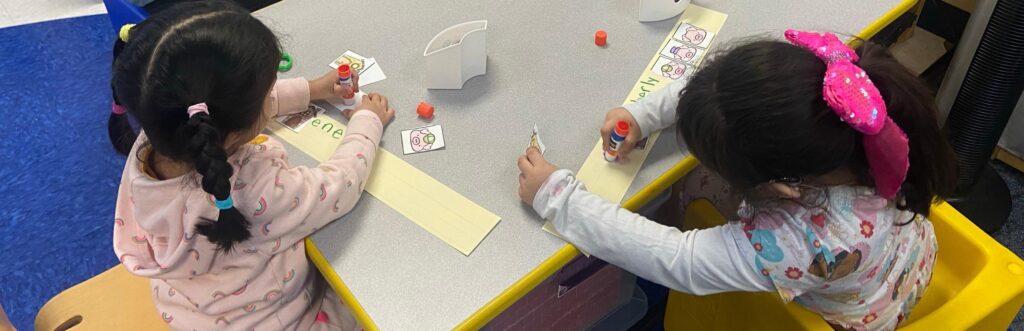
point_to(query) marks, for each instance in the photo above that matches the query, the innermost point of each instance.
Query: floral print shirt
(850, 256)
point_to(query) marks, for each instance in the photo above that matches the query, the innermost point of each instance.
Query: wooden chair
(112, 300)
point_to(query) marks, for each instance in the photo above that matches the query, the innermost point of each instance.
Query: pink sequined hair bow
(857, 102)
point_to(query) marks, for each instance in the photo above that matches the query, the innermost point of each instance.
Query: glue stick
(615, 142)
(345, 79)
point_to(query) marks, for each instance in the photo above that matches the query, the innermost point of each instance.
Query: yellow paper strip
(611, 180)
(422, 199)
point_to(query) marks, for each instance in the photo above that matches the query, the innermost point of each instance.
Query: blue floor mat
(60, 174)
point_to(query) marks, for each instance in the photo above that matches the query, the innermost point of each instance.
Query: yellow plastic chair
(112, 300)
(977, 285)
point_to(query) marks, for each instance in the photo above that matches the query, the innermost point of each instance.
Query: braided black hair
(211, 162)
(199, 52)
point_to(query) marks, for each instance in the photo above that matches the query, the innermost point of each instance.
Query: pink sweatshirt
(265, 283)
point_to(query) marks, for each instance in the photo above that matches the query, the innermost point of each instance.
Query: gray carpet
(1012, 235)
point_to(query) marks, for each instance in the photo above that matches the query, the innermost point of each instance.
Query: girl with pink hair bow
(836, 155)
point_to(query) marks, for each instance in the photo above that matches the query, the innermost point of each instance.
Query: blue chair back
(122, 12)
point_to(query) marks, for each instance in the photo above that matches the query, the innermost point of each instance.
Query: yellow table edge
(568, 252)
(339, 286)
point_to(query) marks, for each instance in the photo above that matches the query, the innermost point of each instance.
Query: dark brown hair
(209, 52)
(755, 113)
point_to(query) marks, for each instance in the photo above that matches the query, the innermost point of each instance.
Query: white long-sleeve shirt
(703, 261)
(690, 262)
(850, 262)
(657, 110)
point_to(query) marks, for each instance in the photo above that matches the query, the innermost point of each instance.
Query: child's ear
(783, 190)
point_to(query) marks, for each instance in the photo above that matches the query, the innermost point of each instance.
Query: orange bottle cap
(425, 110)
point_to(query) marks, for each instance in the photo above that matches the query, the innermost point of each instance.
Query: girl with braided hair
(207, 208)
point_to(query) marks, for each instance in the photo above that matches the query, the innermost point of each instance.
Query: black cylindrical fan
(982, 104)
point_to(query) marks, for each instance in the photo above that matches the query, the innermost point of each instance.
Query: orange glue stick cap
(344, 71)
(622, 128)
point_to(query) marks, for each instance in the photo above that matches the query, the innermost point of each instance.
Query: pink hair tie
(855, 99)
(117, 109)
(198, 108)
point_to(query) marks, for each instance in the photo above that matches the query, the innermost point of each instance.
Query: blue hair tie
(225, 204)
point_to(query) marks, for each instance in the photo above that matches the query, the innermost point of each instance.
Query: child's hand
(327, 87)
(376, 103)
(534, 170)
(614, 116)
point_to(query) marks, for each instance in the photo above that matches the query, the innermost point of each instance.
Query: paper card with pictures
(368, 69)
(680, 52)
(669, 68)
(536, 142)
(297, 121)
(425, 139)
(693, 35)
(357, 62)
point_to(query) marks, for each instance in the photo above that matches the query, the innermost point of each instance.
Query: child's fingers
(355, 83)
(343, 90)
(389, 115)
(534, 156)
(347, 113)
(606, 132)
(627, 145)
(534, 148)
(379, 100)
(524, 164)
